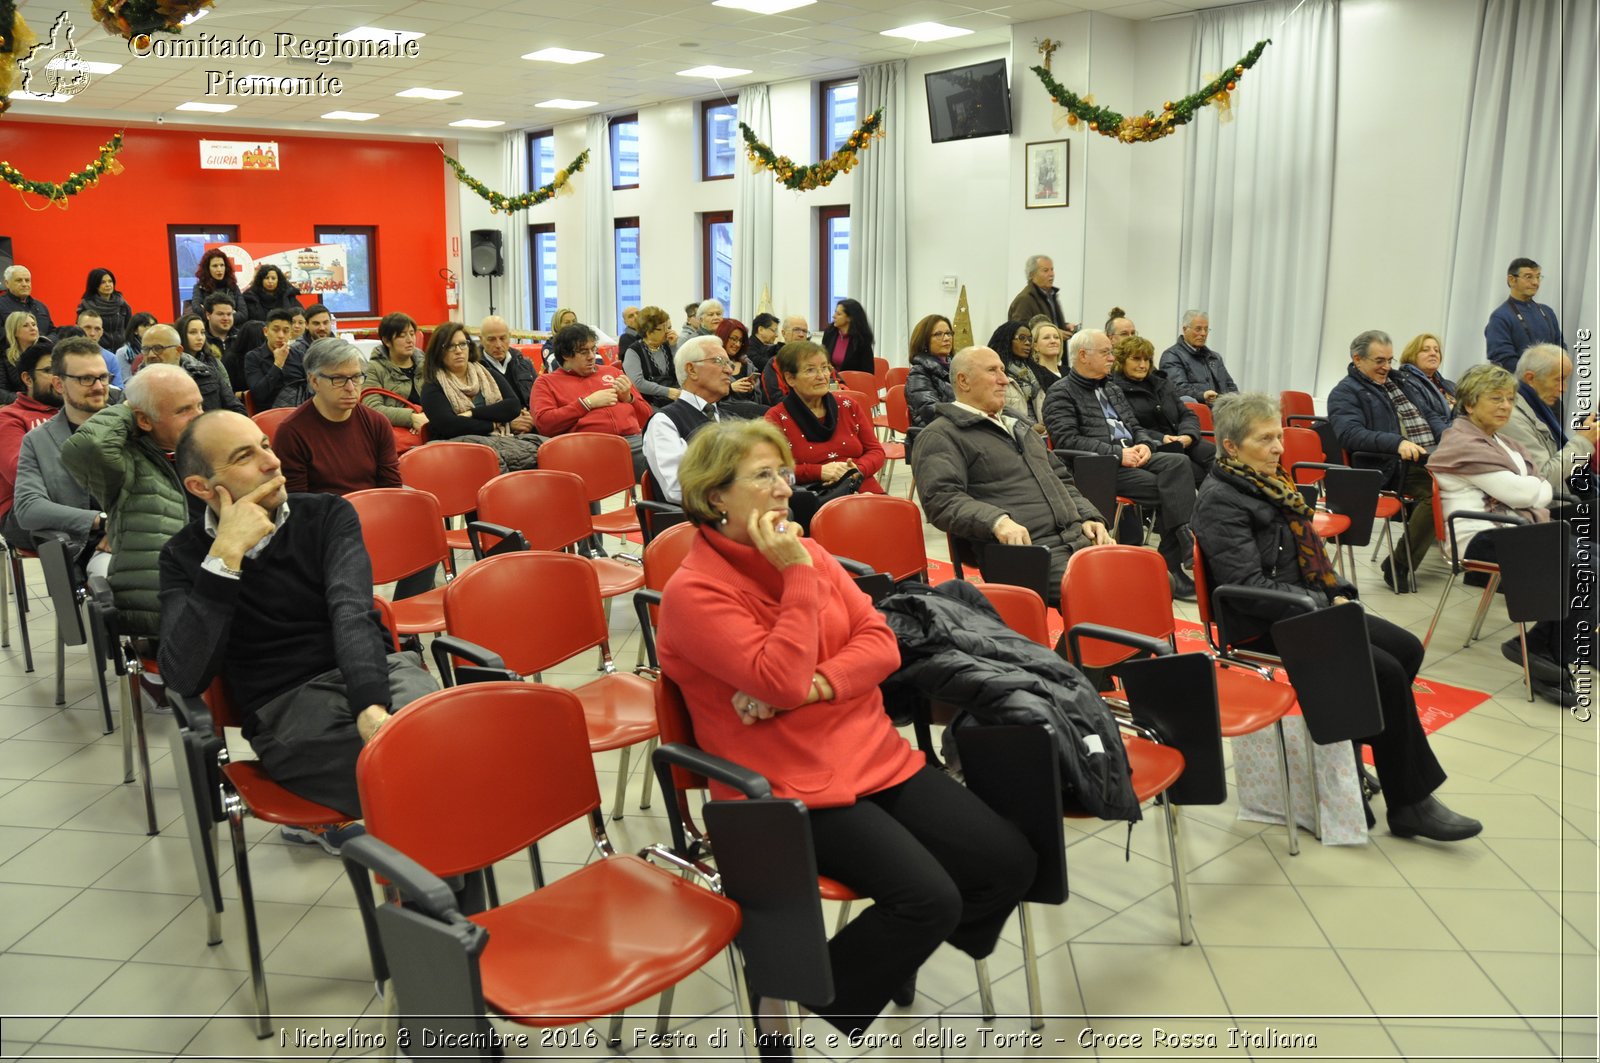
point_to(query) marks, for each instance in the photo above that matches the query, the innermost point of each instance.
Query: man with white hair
(1196, 371)
(1086, 411)
(986, 476)
(1039, 295)
(705, 319)
(1559, 451)
(335, 444)
(123, 456)
(705, 374)
(494, 335)
(18, 295)
(771, 389)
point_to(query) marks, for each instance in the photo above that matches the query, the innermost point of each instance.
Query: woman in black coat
(269, 291)
(1156, 404)
(848, 340)
(101, 296)
(1254, 530)
(933, 341)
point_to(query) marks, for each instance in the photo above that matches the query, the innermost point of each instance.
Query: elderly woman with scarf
(1013, 342)
(830, 437)
(1254, 530)
(467, 403)
(1479, 468)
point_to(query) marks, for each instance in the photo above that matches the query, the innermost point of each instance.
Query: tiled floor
(1397, 949)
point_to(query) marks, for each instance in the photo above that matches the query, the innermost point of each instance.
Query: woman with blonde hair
(22, 332)
(1048, 346)
(1421, 359)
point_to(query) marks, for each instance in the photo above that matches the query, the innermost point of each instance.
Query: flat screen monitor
(969, 101)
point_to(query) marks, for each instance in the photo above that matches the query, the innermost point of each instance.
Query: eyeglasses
(342, 382)
(768, 479)
(459, 345)
(1382, 363)
(719, 361)
(815, 370)
(158, 348)
(87, 380)
(944, 334)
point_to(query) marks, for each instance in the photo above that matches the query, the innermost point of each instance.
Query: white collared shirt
(215, 564)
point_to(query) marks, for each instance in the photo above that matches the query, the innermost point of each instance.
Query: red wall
(121, 224)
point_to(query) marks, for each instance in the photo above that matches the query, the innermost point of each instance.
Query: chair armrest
(747, 782)
(643, 599)
(1308, 418)
(854, 567)
(510, 539)
(192, 712)
(422, 888)
(1323, 465)
(1153, 646)
(447, 646)
(1237, 592)
(1508, 519)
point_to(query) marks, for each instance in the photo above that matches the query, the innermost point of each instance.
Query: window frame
(617, 225)
(532, 160)
(825, 301)
(825, 148)
(705, 109)
(175, 231)
(534, 232)
(707, 220)
(371, 233)
(611, 138)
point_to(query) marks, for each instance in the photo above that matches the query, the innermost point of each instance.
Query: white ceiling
(475, 46)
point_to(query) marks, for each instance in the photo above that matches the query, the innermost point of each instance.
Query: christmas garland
(500, 202)
(58, 193)
(799, 178)
(1148, 126)
(140, 18)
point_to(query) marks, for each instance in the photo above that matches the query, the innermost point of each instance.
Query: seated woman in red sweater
(829, 436)
(587, 395)
(779, 656)
(465, 401)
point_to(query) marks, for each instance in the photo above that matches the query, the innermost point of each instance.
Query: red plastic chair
(879, 530)
(1021, 608)
(1203, 413)
(1127, 587)
(880, 369)
(1296, 404)
(605, 462)
(897, 419)
(535, 609)
(1302, 453)
(451, 473)
(866, 383)
(897, 375)
(269, 420)
(662, 556)
(551, 510)
(463, 778)
(404, 534)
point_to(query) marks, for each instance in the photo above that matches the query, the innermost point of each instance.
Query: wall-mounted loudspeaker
(487, 261)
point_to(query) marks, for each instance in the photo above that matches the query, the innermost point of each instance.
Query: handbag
(810, 497)
(1259, 776)
(404, 438)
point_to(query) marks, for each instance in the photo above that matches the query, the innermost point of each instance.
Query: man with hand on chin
(273, 592)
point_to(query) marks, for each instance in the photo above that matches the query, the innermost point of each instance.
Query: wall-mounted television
(969, 101)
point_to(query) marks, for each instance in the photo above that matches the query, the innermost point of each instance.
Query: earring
(724, 519)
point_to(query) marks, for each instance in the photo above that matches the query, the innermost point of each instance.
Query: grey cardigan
(48, 499)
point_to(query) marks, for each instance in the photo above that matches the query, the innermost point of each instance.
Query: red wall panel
(121, 224)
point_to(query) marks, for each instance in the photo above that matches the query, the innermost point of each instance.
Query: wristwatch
(212, 563)
(100, 522)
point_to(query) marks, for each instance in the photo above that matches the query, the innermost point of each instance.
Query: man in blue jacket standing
(1519, 322)
(1382, 422)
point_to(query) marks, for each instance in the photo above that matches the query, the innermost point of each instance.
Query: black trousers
(1416, 483)
(939, 865)
(1201, 453)
(1565, 641)
(1167, 483)
(1406, 765)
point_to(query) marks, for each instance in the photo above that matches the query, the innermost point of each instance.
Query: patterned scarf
(479, 384)
(1316, 571)
(1413, 425)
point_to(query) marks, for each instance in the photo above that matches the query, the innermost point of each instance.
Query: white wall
(1404, 68)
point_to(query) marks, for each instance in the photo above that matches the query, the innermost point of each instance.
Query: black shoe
(1429, 818)
(1399, 584)
(1557, 693)
(906, 993)
(1182, 587)
(1541, 668)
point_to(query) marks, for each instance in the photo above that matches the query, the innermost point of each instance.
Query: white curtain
(1527, 179)
(515, 303)
(599, 306)
(752, 217)
(1258, 203)
(878, 258)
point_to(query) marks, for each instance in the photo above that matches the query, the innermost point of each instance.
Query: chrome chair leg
(985, 990)
(141, 742)
(5, 592)
(234, 807)
(614, 1035)
(1291, 827)
(1438, 610)
(647, 777)
(1030, 968)
(1483, 609)
(61, 666)
(742, 1005)
(664, 1010)
(621, 799)
(1527, 676)
(844, 917)
(19, 588)
(1180, 881)
(127, 731)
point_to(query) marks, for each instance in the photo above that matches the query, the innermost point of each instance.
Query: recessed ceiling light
(41, 97)
(562, 55)
(61, 62)
(373, 33)
(568, 105)
(762, 7)
(351, 116)
(926, 31)
(476, 123)
(711, 71)
(429, 94)
(209, 108)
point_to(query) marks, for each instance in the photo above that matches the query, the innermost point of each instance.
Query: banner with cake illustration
(315, 269)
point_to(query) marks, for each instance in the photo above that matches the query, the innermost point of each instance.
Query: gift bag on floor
(1258, 774)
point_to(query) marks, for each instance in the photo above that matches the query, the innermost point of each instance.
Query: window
(833, 259)
(188, 243)
(541, 158)
(347, 287)
(542, 273)
(626, 243)
(836, 115)
(719, 125)
(716, 248)
(625, 151)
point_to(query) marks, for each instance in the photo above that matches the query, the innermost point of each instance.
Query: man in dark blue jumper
(274, 592)
(1519, 322)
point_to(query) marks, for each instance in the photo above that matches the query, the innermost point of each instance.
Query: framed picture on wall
(1045, 174)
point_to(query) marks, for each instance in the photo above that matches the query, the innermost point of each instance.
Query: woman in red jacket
(829, 436)
(779, 656)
